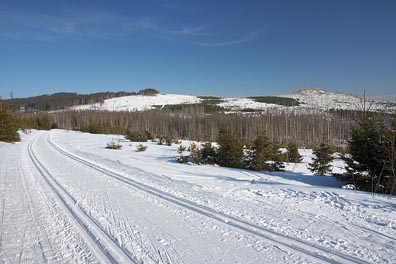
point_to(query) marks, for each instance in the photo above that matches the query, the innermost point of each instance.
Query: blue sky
(226, 48)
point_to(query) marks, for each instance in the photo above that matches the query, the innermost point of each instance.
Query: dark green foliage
(230, 151)
(265, 155)
(8, 125)
(38, 120)
(276, 100)
(43, 122)
(208, 153)
(181, 158)
(320, 165)
(195, 154)
(371, 163)
(181, 149)
(292, 154)
(168, 141)
(136, 136)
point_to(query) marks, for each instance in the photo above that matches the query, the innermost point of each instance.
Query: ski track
(32, 230)
(312, 251)
(104, 246)
(45, 217)
(151, 240)
(18, 217)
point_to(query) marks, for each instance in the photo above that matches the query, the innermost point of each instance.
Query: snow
(140, 102)
(65, 198)
(238, 104)
(316, 98)
(312, 100)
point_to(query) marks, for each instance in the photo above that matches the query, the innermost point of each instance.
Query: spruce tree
(208, 153)
(195, 154)
(262, 150)
(181, 158)
(8, 125)
(230, 151)
(366, 163)
(266, 155)
(292, 153)
(320, 165)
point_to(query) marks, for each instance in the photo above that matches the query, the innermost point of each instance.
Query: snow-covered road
(65, 198)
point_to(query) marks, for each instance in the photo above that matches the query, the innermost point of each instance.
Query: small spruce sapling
(181, 158)
(292, 154)
(320, 164)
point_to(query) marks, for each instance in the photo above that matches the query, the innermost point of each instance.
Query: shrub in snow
(136, 136)
(141, 148)
(113, 145)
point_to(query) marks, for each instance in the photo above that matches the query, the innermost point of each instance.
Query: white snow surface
(140, 102)
(64, 198)
(317, 98)
(312, 100)
(240, 103)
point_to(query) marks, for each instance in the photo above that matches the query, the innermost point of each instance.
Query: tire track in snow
(311, 250)
(102, 244)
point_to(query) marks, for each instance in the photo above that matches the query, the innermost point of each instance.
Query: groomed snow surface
(64, 198)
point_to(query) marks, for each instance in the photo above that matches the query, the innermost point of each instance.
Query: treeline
(192, 122)
(61, 101)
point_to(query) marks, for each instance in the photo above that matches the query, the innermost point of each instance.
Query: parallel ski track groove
(298, 245)
(101, 238)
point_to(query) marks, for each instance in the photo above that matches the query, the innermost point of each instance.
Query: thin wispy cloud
(101, 25)
(88, 25)
(246, 38)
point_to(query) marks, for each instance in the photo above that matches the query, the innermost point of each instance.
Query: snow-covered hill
(140, 102)
(311, 100)
(316, 98)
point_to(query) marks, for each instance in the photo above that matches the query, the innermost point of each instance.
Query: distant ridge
(314, 99)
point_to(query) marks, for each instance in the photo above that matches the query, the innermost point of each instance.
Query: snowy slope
(236, 104)
(67, 199)
(140, 102)
(316, 98)
(311, 100)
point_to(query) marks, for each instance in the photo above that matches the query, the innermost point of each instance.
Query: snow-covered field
(64, 198)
